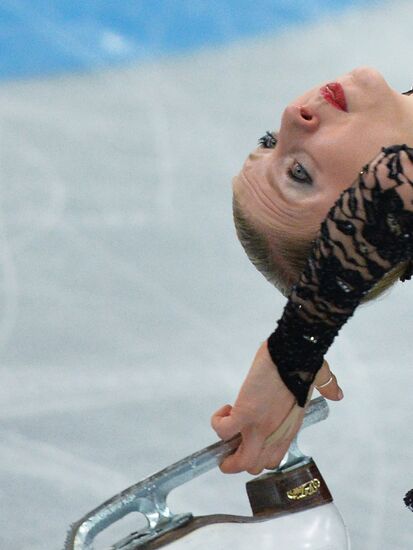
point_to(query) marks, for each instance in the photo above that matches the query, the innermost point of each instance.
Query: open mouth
(334, 94)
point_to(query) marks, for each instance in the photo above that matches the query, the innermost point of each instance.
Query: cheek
(345, 170)
(360, 142)
(344, 157)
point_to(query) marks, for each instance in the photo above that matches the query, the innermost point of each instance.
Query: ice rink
(129, 312)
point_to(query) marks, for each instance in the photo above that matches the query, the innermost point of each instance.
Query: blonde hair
(294, 254)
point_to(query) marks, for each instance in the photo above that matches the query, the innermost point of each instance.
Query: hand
(262, 405)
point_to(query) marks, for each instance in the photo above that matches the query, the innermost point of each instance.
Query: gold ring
(326, 383)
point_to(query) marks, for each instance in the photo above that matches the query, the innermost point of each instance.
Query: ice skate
(292, 507)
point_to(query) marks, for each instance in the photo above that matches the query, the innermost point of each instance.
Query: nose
(303, 117)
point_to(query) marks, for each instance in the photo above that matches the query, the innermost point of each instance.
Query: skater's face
(325, 137)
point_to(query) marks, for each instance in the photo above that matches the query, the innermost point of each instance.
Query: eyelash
(269, 141)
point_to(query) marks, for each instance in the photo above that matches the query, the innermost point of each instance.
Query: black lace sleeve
(365, 234)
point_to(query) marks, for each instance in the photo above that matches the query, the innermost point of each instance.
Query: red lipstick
(334, 94)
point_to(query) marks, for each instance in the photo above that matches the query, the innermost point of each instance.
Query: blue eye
(269, 141)
(299, 174)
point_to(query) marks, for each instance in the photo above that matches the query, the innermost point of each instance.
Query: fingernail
(340, 394)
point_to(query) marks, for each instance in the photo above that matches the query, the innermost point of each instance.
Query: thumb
(326, 383)
(223, 423)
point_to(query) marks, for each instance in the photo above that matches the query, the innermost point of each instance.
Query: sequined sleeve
(367, 232)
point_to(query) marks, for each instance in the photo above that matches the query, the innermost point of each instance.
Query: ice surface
(128, 311)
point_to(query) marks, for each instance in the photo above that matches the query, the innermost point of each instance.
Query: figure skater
(327, 242)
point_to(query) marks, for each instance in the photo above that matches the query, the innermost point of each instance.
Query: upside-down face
(288, 185)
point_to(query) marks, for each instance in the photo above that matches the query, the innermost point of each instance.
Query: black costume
(366, 233)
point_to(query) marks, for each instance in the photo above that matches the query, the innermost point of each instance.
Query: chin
(368, 77)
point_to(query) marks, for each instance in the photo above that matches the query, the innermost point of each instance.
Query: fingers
(246, 456)
(274, 457)
(277, 444)
(288, 426)
(326, 383)
(271, 457)
(257, 452)
(224, 424)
